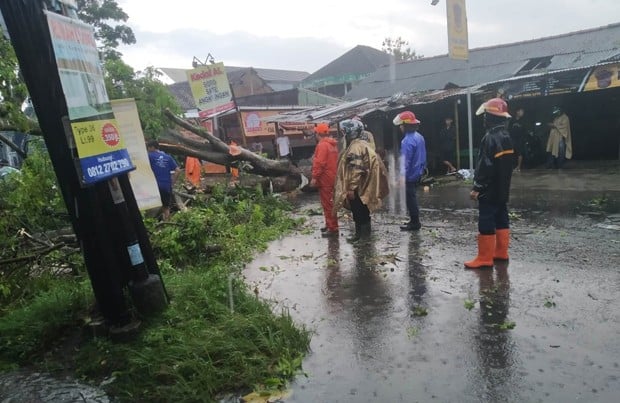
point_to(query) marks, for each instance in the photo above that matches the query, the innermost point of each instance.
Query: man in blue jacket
(412, 164)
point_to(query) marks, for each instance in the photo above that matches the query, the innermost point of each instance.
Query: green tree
(105, 16)
(400, 49)
(151, 95)
(13, 91)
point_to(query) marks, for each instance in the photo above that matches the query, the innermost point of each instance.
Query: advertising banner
(255, 126)
(458, 44)
(100, 146)
(210, 88)
(602, 77)
(142, 180)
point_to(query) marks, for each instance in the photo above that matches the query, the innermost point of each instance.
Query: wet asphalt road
(398, 318)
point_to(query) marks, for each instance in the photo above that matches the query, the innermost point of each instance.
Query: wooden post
(456, 127)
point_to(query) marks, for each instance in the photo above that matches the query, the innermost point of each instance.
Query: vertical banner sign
(99, 144)
(142, 180)
(210, 88)
(458, 45)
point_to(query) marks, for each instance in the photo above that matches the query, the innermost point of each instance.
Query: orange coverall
(324, 167)
(192, 170)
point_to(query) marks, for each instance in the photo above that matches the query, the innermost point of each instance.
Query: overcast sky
(306, 35)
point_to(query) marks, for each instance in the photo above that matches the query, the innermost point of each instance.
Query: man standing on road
(447, 138)
(518, 134)
(559, 144)
(166, 172)
(492, 185)
(361, 182)
(412, 164)
(324, 165)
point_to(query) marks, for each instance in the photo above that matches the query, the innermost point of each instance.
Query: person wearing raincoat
(324, 164)
(492, 185)
(361, 181)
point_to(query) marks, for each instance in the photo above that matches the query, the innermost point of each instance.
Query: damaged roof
(572, 50)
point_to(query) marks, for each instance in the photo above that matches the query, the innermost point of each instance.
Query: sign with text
(97, 138)
(458, 45)
(210, 88)
(254, 125)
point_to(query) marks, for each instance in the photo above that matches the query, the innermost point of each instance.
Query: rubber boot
(502, 240)
(365, 230)
(486, 247)
(355, 237)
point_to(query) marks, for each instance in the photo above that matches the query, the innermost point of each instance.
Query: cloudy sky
(306, 35)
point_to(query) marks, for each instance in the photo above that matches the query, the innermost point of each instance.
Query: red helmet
(494, 106)
(405, 117)
(322, 128)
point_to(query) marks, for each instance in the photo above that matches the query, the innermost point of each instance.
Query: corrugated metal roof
(572, 50)
(283, 76)
(360, 60)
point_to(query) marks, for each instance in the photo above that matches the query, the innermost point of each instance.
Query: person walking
(412, 164)
(361, 180)
(324, 165)
(492, 185)
(447, 138)
(560, 143)
(166, 172)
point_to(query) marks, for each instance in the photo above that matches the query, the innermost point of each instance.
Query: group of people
(356, 178)
(558, 148)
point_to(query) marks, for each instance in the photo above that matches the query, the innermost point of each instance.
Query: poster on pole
(142, 180)
(458, 43)
(100, 146)
(210, 89)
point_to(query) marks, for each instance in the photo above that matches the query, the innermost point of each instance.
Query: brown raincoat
(359, 168)
(560, 129)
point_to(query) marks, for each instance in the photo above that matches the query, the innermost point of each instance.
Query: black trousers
(492, 216)
(361, 214)
(412, 202)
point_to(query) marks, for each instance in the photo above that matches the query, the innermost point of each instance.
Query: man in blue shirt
(166, 172)
(412, 164)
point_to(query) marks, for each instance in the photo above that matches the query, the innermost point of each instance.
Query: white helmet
(351, 127)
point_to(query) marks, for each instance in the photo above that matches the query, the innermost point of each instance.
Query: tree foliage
(400, 49)
(105, 16)
(151, 95)
(13, 91)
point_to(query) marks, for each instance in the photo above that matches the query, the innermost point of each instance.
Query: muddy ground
(399, 319)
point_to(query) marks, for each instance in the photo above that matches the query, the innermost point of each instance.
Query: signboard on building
(210, 88)
(100, 146)
(254, 125)
(603, 77)
(458, 45)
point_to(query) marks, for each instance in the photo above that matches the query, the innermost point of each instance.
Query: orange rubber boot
(502, 240)
(486, 247)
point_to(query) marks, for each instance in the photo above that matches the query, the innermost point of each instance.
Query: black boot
(355, 237)
(413, 225)
(365, 231)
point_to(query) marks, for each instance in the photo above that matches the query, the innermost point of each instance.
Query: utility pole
(116, 250)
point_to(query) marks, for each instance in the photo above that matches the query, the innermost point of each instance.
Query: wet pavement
(398, 318)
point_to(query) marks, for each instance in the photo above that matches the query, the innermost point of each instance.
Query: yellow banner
(602, 77)
(458, 45)
(96, 137)
(210, 88)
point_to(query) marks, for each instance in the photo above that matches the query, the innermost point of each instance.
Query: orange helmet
(405, 118)
(322, 128)
(494, 106)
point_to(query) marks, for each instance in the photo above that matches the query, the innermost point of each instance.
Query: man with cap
(412, 164)
(492, 185)
(324, 164)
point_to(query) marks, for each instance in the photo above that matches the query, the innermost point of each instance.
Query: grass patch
(197, 348)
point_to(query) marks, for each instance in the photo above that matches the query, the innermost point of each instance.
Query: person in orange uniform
(324, 167)
(192, 170)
